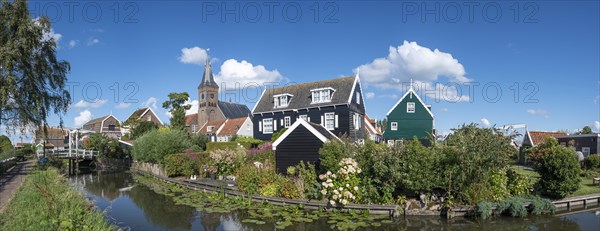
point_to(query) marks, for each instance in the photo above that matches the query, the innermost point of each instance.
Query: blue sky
(156, 47)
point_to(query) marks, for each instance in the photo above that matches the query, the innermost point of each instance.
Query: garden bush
(213, 146)
(200, 140)
(518, 184)
(248, 142)
(262, 153)
(342, 187)
(180, 165)
(592, 162)
(248, 178)
(332, 152)
(307, 175)
(153, 146)
(288, 189)
(558, 168)
(227, 160)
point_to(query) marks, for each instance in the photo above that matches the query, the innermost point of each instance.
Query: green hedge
(212, 146)
(186, 164)
(592, 162)
(153, 146)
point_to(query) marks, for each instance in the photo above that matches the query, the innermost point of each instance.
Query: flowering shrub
(226, 160)
(261, 153)
(342, 187)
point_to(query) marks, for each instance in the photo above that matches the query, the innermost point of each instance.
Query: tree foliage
(153, 146)
(5, 144)
(32, 79)
(586, 130)
(177, 107)
(558, 168)
(107, 146)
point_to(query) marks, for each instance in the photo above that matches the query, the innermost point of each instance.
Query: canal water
(132, 206)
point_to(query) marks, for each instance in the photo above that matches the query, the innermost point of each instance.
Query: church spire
(207, 77)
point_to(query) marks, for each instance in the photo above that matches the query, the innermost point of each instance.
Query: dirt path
(11, 181)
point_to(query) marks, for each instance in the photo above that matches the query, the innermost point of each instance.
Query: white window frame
(329, 122)
(265, 126)
(210, 128)
(281, 100)
(358, 97)
(586, 151)
(356, 121)
(304, 117)
(322, 95)
(409, 106)
(287, 121)
(394, 126)
(194, 128)
(390, 142)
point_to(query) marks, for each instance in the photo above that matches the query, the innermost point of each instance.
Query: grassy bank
(46, 202)
(585, 186)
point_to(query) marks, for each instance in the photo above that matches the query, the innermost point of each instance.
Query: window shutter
(322, 120)
(308, 118)
(281, 122)
(336, 121)
(275, 125)
(260, 126)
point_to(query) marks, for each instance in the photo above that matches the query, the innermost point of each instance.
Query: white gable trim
(530, 140)
(418, 98)
(307, 126)
(155, 115)
(356, 79)
(259, 99)
(221, 127)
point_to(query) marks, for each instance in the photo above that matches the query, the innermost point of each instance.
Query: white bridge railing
(81, 153)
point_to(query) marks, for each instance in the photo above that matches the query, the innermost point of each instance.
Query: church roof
(207, 78)
(234, 110)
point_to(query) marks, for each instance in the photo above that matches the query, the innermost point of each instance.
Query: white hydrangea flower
(355, 188)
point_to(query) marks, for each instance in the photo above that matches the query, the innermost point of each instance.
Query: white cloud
(73, 43)
(123, 105)
(51, 35)
(597, 99)
(92, 41)
(485, 122)
(539, 112)
(370, 95)
(597, 126)
(95, 104)
(83, 118)
(412, 61)
(194, 108)
(421, 64)
(242, 74)
(168, 114)
(444, 109)
(150, 102)
(193, 55)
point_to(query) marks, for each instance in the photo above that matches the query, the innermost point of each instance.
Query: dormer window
(322, 95)
(210, 128)
(282, 100)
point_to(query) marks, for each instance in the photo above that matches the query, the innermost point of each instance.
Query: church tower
(208, 97)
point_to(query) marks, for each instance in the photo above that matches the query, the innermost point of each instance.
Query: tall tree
(177, 107)
(32, 79)
(586, 130)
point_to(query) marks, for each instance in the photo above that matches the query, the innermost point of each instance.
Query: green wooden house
(409, 118)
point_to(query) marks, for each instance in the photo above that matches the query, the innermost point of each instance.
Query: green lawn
(585, 187)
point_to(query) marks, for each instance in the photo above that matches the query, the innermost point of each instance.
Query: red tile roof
(232, 126)
(191, 119)
(216, 125)
(539, 137)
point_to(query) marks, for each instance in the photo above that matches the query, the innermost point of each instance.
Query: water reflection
(134, 206)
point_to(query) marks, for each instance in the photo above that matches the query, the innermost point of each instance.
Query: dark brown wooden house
(585, 143)
(300, 142)
(109, 125)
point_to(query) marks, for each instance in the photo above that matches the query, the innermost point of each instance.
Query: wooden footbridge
(77, 158)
